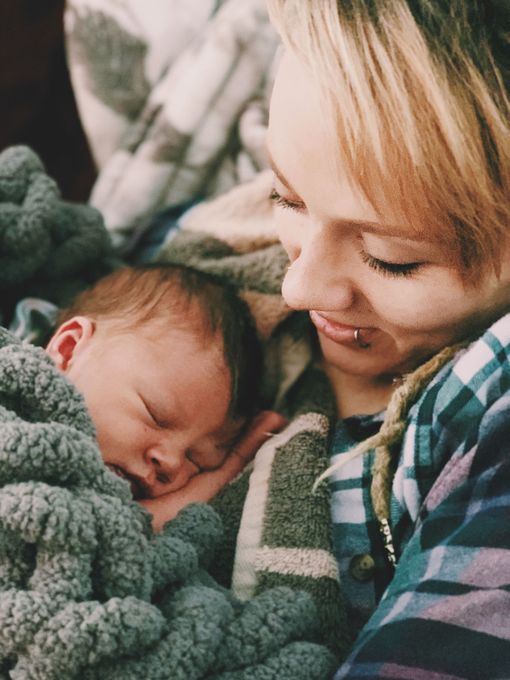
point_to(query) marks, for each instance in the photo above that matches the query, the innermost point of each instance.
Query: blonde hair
(419, 97)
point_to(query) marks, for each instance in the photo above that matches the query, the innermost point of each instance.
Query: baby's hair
(133, 297)
(419, 101)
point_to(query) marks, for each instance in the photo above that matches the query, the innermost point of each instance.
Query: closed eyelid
(278, 173)
(361, 226)
(160, 422)
(285, 202)
(392, 269)
(368, 226)
(281, 177)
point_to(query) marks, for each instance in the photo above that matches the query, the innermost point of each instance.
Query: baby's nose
(166, 464)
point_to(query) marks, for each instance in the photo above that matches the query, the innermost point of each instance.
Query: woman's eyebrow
(389, 231)
(372, 227)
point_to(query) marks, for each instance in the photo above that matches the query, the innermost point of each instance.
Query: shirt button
(362, 567)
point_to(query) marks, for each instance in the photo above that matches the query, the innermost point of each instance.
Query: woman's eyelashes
(282, 202)
(395, 269)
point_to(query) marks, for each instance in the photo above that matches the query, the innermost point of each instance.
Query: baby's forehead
(189, 325)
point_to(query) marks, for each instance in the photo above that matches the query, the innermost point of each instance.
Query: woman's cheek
(412, 306)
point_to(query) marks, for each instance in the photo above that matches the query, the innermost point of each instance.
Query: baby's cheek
(120, 439)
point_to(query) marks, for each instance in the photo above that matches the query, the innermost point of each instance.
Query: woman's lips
(338, 332)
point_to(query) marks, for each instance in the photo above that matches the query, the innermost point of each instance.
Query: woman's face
(349, 268)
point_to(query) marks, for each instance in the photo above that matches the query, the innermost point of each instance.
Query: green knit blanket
(48, 247)
(87, 590)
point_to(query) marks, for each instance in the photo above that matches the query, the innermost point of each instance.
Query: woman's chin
(382, 361)
(375, 361)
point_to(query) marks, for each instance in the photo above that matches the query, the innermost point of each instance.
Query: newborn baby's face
(160, 405)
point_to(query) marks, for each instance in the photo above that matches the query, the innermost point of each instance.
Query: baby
(168, 363)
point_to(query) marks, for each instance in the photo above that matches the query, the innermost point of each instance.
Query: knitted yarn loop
(48, 247)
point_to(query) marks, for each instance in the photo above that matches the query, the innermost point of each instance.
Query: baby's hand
(263, 426)
(204, 486)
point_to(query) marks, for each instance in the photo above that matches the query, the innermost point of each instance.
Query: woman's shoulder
(477, 377)
(454, 412)
(486, 358)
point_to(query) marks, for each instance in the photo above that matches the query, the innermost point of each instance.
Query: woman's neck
(358, 395)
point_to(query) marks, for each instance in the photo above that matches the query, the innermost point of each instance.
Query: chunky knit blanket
(277, 528)
(86, 589)
(48, 247)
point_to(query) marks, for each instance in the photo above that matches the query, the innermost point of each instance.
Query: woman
(390, 143)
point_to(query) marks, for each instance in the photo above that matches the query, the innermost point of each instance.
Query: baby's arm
(204, 486)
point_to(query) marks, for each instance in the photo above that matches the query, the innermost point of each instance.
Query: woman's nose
(315, 277)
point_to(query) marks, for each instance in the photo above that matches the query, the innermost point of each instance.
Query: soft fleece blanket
(86, 589)
(172, 96)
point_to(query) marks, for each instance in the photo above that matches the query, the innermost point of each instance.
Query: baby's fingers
(263, 426)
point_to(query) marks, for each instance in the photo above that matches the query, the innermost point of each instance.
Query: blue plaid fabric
(445, 612)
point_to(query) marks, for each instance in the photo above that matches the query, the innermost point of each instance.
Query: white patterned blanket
(173, 98)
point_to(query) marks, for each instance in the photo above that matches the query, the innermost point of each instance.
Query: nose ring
(359, 340)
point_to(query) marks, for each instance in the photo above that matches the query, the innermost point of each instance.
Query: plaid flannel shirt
(445, 612)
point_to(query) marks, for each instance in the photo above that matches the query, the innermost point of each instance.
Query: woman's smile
(338, 332)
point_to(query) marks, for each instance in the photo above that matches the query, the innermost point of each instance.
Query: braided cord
(391, 433)
(394, 426)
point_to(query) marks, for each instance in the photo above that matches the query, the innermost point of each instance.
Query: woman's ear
(69, 340)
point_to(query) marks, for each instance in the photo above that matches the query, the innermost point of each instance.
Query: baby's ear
(69, 340)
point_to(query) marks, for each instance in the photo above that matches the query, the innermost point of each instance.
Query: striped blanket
(277, 528)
